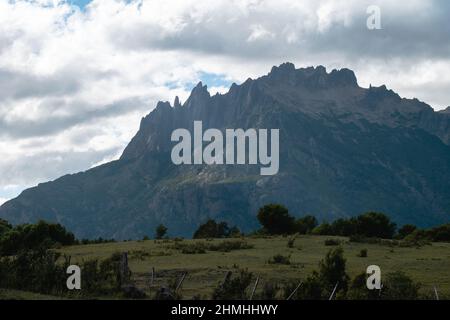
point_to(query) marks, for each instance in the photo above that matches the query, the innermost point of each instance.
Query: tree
(344, 227)
(4, 227)
(161, 231)
(275, 219)
(440, 233)
(306, 224)
(332, 270)
(212, 229)
(406, 230)
(375, 224)
(33, 236)
(323, 229)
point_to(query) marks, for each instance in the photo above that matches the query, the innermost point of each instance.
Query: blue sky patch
(80, 3)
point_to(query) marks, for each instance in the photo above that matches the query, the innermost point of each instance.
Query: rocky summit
(344, 150)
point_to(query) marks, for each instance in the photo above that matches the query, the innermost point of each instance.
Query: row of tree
(275, 219)
(32, 236)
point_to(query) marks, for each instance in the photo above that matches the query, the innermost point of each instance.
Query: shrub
(358, 289)
(202, 247)
(291, 242)
(102, 277)
(229, 245)
(323, 229)
(332, 269)
(332, 242)
(311, 289)
(362, 253)
(406, 230)
(280, 259)
(161, 231)
(233, 288)
(193, 248)
(440, 234)
(417, 238)
(398, 286)
(270, 291)
(96, 241)
(34, 270)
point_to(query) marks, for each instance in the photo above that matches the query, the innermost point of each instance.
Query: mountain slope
(343, 150)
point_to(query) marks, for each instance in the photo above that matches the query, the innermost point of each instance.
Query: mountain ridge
(343, 150)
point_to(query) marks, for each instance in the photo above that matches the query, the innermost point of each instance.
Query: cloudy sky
(76, 76)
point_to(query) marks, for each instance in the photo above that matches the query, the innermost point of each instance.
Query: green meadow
(429, 264)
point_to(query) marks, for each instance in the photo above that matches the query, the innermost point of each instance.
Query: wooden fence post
(152, 277)
(436, 293)
(124, 271)
(254, 288)
(293, 292)
(334, 290)
(181, 281)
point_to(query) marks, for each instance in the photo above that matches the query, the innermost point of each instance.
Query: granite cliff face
(343, 150)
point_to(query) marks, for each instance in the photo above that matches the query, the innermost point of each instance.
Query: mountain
(344, 150)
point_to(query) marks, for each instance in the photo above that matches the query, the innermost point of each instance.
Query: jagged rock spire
(177, 103)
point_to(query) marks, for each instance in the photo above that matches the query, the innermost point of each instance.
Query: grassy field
(429, 265)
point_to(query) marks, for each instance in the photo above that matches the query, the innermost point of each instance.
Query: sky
(77, 76)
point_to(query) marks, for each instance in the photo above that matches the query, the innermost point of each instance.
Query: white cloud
(258, 32)
(76, 83)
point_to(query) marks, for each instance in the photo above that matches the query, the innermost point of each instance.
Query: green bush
(193, 248)
(229, 245)
(160, 231)
(202, 247)
(233, 288)
(323, 230)
(362, 253)
(440, 233)
(291, 242)
(398, 286)
(332, 270)
(34, 270)
(358, 289)
(280, 259)
(332, 242)
(310, 289)
(406, 230)
(270, 291)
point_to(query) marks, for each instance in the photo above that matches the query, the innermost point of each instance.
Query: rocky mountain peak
(176, 103)
(446, 111)
(199, 96)
(312, 77)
